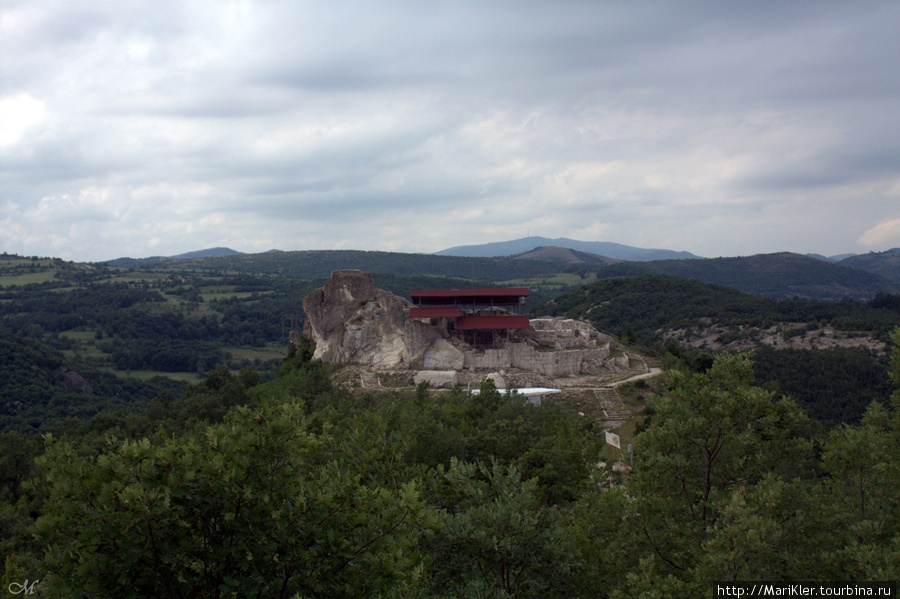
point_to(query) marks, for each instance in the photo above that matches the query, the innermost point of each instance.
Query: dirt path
(645, 375)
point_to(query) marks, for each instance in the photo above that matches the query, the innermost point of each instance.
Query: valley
(161, 396)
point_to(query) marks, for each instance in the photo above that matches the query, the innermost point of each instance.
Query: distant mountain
(886, 264)
(208, 253)
(774, 275)
(136, 262)
(217, 252)
(527, 244)
(563, 255)
(837, 258)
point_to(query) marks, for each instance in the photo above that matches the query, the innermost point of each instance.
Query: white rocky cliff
(351, 320)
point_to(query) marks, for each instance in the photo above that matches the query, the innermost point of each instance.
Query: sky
(723, 128)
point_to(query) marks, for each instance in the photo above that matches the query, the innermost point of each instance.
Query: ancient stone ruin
(351, 321)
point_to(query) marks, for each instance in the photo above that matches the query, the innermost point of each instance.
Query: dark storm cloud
(414, 127)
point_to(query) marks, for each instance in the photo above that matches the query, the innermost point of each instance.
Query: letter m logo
(22, 588)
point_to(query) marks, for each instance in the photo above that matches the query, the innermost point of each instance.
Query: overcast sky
(140, 128)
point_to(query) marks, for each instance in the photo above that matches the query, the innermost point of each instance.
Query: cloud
(719, 128)
(884, 234)
(18, 114)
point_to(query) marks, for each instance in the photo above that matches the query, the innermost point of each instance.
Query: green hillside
(835, 385)
(781, 275)
(772, 275)
(645, 307)
(885, 264)
(40, 387)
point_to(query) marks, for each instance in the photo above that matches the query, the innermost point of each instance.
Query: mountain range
(781, 274)
(601, 248)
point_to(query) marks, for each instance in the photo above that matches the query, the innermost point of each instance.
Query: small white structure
(532, 395)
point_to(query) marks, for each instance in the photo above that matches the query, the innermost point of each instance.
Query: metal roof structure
(468, 306)
(479, 296)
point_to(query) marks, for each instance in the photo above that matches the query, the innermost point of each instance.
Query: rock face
(437, 378)
(565, 333)
(352, 321)
(73, 379)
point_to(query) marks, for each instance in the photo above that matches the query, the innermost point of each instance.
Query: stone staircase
(601, 403)
(611, 404)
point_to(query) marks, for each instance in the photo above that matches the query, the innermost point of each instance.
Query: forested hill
(39, 387)
(318, 264)
(779, 275)
(773, 275)
(648, 306)
(886, 264)
(835, 376)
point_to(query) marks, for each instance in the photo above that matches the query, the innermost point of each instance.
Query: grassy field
(86, 346)
(12, 280)
(550, 282)
(23, 271)
(227, 292)
(143, 276)
(146, 375)
(252, 353)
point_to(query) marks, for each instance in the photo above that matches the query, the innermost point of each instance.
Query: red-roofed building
(484, 308)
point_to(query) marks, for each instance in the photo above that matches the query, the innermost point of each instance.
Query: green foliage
(300, 488)
(834, 385)
(38, 391)
(253, 507)
(716, 440)
(709, 433)
(499, 540)
(861, 498)
(12, 573)
(299, 355)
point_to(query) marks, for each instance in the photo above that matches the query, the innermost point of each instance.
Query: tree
(714, 437)
(860, 497)
(254, 507)
(498, 540)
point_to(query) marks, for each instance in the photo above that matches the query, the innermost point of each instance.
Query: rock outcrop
(351, 320)
(73, 379)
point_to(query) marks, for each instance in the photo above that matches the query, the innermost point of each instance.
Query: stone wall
(548, 363)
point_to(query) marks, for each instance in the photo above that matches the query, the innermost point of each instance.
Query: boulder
(350, 320)
(565, 333)
(437, 378)
(442, 355)
(499, 381)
